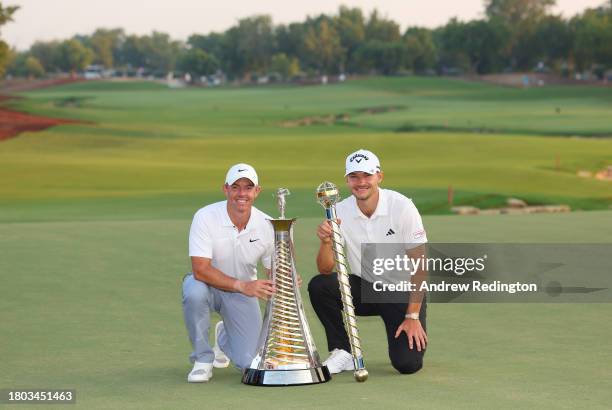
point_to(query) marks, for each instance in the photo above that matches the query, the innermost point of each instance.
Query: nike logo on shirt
(253, 240)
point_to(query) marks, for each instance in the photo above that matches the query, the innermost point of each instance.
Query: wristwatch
(413, 316)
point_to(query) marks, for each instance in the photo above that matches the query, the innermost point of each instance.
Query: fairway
(94, 222)
(169, 148)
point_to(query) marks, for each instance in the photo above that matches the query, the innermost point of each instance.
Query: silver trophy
(328, 195)
(286, 355)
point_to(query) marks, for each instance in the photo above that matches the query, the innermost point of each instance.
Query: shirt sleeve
(414, 231)
(200, 241)
(266, 260)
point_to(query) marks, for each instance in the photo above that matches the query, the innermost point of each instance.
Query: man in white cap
(371, 215)
(226, 241)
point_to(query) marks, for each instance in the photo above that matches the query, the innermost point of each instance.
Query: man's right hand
(324, 231)
(261, 288)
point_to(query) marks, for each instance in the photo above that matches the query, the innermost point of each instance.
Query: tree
(106, 45)
(519, 19)
(161, 52)
(515, 12)
(350, 26)
(253, 40)
(156, 53)
(290, 40)
(197, 62)
(593, 38)
(6, 15)
(551, 42)
(421, 51)
(473, 46)
(212, 43)
(287, 67)
(33, 68)
(23, 64)
(383, 57)
(323, 48)
(234, 62)
(74, 56)
(48, 54)
(381, 29)
(132, 52)
(515, 34)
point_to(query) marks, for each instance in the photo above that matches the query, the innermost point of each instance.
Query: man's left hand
(415, 332)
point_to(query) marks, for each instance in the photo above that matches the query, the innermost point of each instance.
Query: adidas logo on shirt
(390, 232)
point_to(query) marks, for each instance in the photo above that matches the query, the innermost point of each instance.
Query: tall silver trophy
(328, 195)
(286, 355)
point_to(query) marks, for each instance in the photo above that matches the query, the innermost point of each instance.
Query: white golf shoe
(338, 361)
(221, 360)
(201, 372)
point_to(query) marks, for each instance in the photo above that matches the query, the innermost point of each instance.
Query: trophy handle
(327, 195)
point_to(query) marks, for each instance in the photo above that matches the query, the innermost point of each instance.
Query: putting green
(95, 306)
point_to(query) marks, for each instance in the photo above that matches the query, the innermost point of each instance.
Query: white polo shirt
(214, 236)
(395, 221)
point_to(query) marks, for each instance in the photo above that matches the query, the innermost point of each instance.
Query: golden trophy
(328, 195)
(287, 355)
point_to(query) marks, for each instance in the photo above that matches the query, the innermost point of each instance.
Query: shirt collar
(226, 221)
(381, 206)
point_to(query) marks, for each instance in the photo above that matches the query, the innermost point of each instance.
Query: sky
(61, 19)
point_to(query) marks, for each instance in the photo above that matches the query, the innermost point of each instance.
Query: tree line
(513, 35)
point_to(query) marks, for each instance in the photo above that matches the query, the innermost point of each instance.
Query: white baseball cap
(241, 171)
(362, 161)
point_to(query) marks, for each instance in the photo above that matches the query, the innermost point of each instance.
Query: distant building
(93, 72)
(96, 72)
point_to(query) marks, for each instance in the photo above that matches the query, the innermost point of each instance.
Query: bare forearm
(416, 296)
(215, 278)
(325, 258)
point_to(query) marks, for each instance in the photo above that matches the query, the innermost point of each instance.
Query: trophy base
(256, 377)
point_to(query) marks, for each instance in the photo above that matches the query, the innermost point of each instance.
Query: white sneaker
(201, 372)
(221, 360)
(339, 360)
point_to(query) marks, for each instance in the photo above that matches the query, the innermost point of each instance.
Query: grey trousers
(241, 322)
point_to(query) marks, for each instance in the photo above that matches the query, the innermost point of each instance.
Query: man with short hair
(226, 241)
(371, 215)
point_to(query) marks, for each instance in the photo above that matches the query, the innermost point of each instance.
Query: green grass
(72, 163)
(147, 142)
(94, 305)
(94, 220)
(427, 103)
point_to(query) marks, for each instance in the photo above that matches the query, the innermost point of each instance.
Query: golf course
(95, 215)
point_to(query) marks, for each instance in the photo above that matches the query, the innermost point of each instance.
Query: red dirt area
(16, 85)
(12, 123)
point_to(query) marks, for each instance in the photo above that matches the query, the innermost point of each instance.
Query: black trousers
(324, 294)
